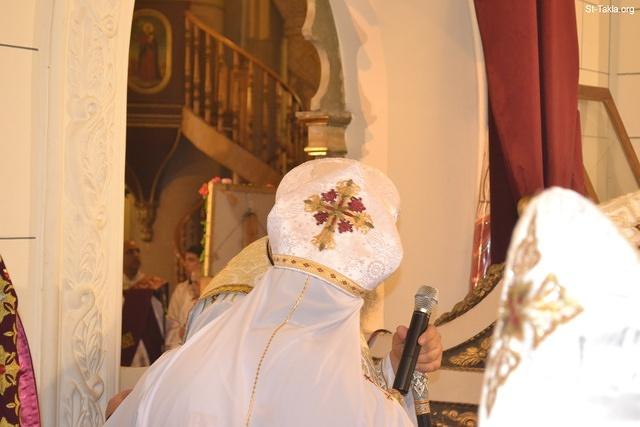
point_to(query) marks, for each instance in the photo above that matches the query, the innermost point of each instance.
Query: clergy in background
(183, 298)
(143, 311)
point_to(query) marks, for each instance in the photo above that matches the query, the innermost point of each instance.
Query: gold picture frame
(150, 52)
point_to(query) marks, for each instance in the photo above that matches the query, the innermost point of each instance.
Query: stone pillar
(327, 119)
(325, 132)
(81, 187)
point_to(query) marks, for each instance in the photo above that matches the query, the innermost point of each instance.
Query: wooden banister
(187, 63)
(239, 96)
(208, 79)
(231, 45)
(603, 95)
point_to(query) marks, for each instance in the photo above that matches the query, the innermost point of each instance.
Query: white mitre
(566, 347)
(624, 212)
(341, 214)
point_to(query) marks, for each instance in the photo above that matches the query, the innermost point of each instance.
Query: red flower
(344, 226)
(330, 196)
(356, 204)
(321, 217)
(204, 190)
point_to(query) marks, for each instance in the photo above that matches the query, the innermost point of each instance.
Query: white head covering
(624, 212)
(566, 348)
(288, 354)
(339, 213)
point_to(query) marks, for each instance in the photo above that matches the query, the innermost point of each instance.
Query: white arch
(79, 215)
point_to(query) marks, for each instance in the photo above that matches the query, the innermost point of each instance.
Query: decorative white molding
(88, 173)
(87, 81)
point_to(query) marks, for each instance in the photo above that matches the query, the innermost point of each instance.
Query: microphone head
(426, 298)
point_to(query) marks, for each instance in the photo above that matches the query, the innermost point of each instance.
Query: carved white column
(83, 191)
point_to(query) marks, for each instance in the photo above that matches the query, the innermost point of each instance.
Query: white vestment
(182, 300)
(208, 309)
(566, 346)
(312, 366)
(288, 354)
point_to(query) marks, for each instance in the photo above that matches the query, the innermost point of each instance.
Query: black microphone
(425, 300)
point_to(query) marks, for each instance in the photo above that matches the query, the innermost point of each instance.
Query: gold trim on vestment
(237, 288)
(325, 273)
(391, 394)
(372, 372)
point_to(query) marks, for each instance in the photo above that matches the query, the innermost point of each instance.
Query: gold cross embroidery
(339, 208)
(530, 313)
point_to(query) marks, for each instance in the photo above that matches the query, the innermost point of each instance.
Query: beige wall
(608, 58)
(20, 53)
(593, 42)
(413, 87)
(625, 69)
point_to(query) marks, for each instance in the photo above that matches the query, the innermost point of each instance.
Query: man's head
(191, 260)
(131, 258)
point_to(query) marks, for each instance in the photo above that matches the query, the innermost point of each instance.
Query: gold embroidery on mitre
(338, 208)
(537, 311)
(321, 271)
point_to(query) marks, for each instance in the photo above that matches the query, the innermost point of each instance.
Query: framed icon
(150, 52)
(236, 216)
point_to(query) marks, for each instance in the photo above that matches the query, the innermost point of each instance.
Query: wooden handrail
(241, 98)
(603, 94)
(593, 93)
(231, 45)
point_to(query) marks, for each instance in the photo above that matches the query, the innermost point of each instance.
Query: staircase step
(223, 150)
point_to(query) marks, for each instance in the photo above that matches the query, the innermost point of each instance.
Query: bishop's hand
(430, 356)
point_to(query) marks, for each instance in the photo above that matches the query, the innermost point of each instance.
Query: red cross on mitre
(340, 209)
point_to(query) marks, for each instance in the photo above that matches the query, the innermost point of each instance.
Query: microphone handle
(420, 386)
(419, 323)
(424, 420)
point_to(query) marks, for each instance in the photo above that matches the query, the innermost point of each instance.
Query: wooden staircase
(236, 109)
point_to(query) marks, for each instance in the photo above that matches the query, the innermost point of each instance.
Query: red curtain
(531, 56)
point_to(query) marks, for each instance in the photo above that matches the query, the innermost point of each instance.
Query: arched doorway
(83, 222)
